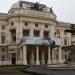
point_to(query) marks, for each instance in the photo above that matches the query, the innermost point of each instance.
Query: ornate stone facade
(32, 20)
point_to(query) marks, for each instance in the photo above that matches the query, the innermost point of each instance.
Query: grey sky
(64, 9)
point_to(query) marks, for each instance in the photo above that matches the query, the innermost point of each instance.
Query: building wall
(45, 21)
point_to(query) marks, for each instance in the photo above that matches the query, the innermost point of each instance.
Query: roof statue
(20, 4)
(35, 6)
(31, 5)
(51, 10)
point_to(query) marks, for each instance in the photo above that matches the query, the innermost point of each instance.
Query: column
(54, 61)
(32, 58)
(21, 56)
(62, 37)
(21, 31)
(42, 58)
(31, 30)
(41, 33)
(69, 39)
(24, 55)
(49, 56)
(59, 57)
(49, 34)
(53, 56)
(42, 30)
(0, 38)
(37, 56)
(16, 57)
(10, 58)
(8, 37)
(52, 31)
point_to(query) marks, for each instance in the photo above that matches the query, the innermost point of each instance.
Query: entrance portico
(39, 54)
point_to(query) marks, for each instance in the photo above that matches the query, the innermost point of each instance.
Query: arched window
(26, 23)
(46, 26)
(36, 24)
(12, 23)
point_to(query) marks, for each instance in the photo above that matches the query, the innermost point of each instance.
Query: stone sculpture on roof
(20, 4)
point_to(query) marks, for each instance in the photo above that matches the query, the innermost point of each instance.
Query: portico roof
(40, 41)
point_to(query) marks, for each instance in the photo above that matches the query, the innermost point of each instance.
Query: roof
(24, 3)
(31, 5)
(3, 14)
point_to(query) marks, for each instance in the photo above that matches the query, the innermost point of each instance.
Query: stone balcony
(41, 41)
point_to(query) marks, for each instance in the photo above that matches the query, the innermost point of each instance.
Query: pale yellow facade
(24, 22)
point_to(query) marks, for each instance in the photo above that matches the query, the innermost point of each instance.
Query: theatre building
(30, 34)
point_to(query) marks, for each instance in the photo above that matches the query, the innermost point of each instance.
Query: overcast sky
(64, 9)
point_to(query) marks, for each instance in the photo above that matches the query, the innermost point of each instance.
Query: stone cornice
(63, 24)
(33, 13)
(31, 16)
(31, 19)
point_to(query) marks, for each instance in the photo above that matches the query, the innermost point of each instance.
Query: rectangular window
(3, 57)
(13, 38)
(3, 49)
(36, 33)
(3, 39)
(26, 32)
(13, 35)
(46, 34)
